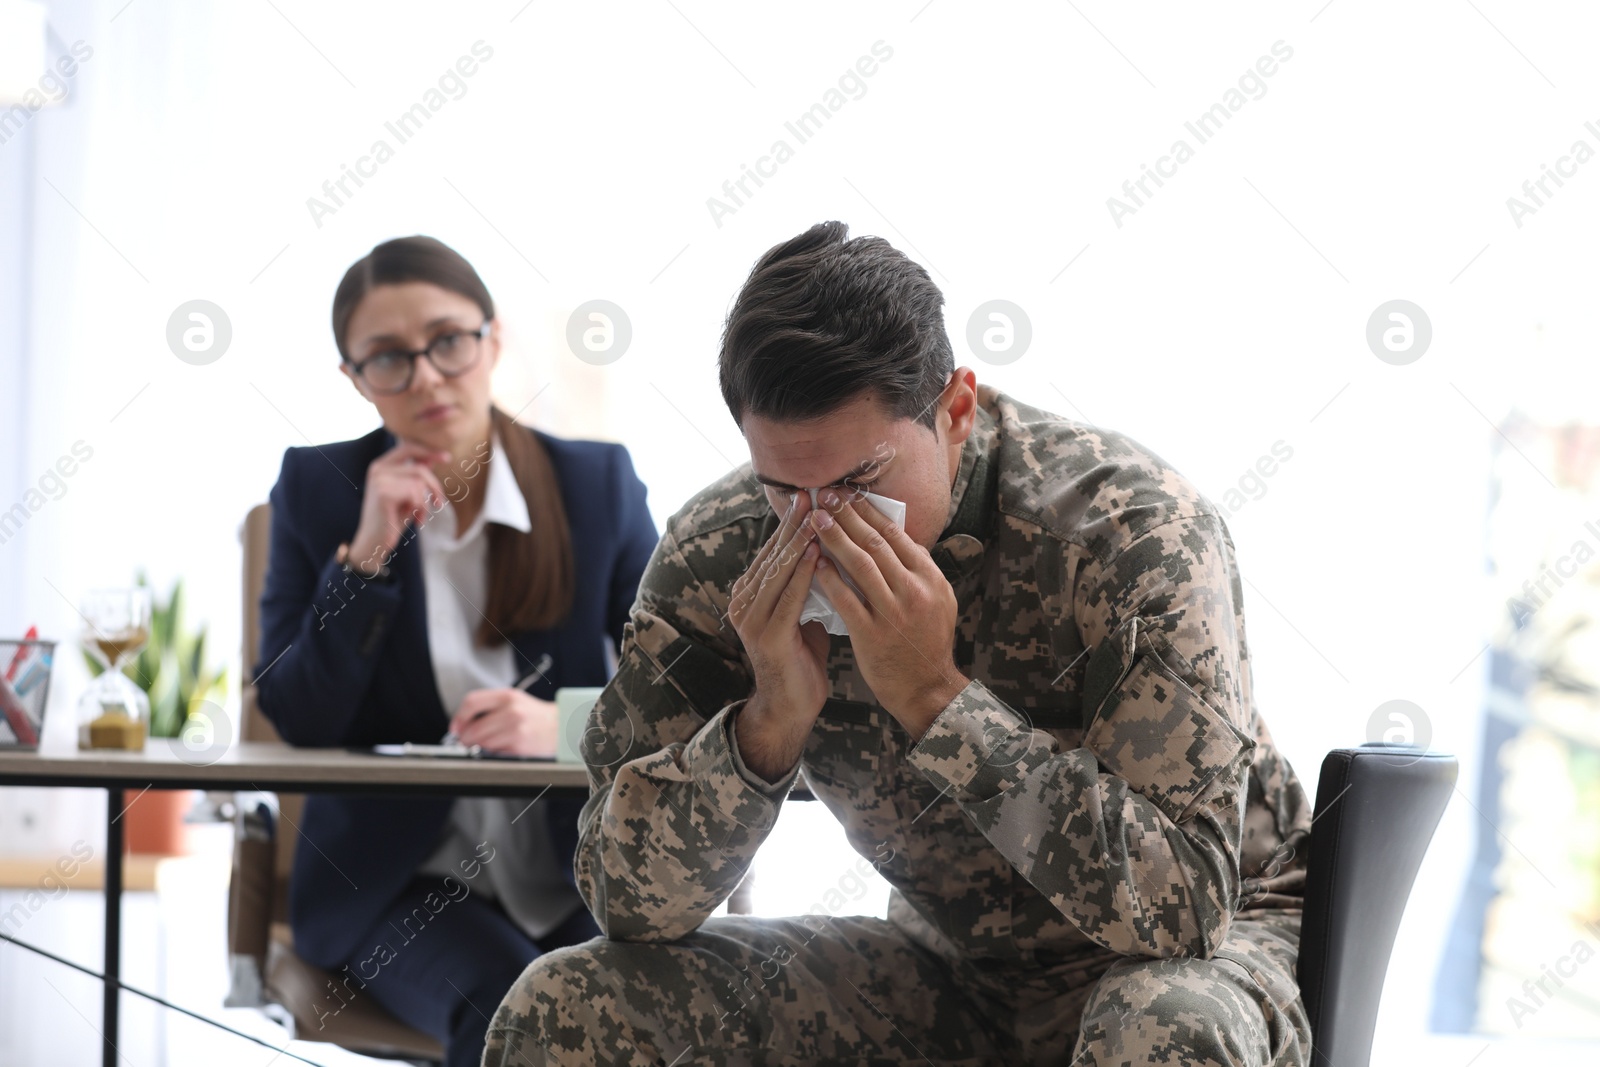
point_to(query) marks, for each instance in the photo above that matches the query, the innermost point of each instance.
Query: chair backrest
(258, 892)
(256, 536)
(1377, 808)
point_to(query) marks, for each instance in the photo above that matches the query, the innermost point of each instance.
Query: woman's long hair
(530, 574)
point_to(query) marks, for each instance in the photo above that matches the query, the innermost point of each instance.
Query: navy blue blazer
(342, 663)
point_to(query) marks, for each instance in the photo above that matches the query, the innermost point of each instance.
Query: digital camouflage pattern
(849, 989)
(1104, 795)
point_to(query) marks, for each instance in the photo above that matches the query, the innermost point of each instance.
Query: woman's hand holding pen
(506, 720)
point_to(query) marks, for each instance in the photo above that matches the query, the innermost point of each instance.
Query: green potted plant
(173, 672)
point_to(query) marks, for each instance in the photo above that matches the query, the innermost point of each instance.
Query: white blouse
(524, 874)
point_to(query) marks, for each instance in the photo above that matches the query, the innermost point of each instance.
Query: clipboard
(412, 750)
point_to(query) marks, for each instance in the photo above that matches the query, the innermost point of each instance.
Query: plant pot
(153, 824)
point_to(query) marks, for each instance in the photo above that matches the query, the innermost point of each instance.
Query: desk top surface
(164, 764)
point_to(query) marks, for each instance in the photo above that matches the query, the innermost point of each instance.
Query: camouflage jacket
(1105, 779)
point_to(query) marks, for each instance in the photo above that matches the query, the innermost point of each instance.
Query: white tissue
(818, 607)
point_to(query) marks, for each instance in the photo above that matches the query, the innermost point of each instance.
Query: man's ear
(959, 404)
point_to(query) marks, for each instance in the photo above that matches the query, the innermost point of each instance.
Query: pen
(543, 665)
(37, 671)
(22, 651)
(16, 715)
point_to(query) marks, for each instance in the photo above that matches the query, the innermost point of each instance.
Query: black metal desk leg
(113, 949)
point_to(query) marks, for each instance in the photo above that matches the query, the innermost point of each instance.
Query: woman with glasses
(442, 575)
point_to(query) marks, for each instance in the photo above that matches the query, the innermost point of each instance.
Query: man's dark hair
(822, 320)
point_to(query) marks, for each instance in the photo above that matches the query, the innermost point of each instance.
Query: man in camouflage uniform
(1040, 730)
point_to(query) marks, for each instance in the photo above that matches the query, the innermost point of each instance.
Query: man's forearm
(768, 745)
(671, 832)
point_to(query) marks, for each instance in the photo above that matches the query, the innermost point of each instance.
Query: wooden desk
(279, 767)
(254, 765)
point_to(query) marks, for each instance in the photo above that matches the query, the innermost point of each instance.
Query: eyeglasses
(452, 354)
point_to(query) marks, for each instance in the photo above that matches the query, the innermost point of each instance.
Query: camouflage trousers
(859, 990)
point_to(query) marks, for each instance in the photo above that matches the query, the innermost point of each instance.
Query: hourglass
(114, 712)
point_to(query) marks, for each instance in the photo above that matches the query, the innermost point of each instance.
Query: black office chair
(1377, 808)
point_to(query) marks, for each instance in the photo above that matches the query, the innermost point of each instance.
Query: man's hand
(506, 720)
(904, 620)
(791, 683)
